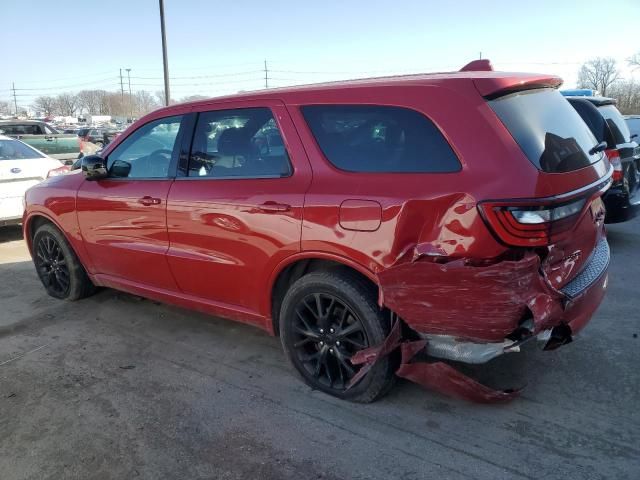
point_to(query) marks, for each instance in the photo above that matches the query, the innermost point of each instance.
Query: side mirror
(94, 167)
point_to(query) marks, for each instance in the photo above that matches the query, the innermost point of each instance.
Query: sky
(216, 47)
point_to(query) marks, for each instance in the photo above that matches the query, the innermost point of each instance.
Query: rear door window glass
(548, 130)
(372, 138)
(616, 123)
(242, 143)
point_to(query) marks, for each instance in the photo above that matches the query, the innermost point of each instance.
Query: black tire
(303, 343)
(58, 267)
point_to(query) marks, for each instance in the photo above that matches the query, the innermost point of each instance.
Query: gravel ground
(115, 386)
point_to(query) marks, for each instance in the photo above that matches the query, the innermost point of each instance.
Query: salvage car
(21, 167)
(622, 200)
(44, 137)
(453, 215)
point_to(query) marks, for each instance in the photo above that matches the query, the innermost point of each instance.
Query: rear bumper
(620, 207)
(488, 311)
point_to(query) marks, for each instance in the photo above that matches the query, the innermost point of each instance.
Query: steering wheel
(158, 162)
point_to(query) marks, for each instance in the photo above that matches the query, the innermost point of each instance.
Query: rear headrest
(234, 141)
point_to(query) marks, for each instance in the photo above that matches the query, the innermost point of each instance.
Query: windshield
(616, 123)
(15, 150)
(548, 129)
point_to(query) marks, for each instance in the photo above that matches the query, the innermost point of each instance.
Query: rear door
(123, 217)
(235, 209)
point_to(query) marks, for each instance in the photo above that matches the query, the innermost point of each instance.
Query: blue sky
(219, 47)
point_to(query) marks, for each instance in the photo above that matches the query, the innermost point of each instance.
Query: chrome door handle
(147, 200)
(273, 207)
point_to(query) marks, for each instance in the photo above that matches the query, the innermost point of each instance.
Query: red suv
(367, 223)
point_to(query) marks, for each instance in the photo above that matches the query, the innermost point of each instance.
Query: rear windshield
(616, 123)
(15, 150)
(548, 129)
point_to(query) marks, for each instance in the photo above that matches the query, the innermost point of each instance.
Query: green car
(65, 147)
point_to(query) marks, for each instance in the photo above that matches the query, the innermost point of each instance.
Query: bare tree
(4, 107)
(634, 60)
(46, 104)
(193, 98)
(598, 74)
(91, 101)
(627, 94)
(67, 104)
(144, 102)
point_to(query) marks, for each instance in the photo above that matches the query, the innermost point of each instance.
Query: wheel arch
(296, 266)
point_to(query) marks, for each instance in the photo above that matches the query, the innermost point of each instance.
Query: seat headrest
(234, 141)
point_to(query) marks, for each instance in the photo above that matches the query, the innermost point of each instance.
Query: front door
(123, 217)
(235, 209)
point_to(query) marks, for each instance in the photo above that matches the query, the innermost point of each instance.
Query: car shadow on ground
(10, 233)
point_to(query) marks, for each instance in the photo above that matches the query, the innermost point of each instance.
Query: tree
(193, 98)
(634, 60)
(627, 94)
(67, 104)
(91, 101)
(598, 74)
(4, 107)
(46, 104)
(144, 102)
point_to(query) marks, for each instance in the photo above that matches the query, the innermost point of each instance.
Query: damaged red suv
(369, 223)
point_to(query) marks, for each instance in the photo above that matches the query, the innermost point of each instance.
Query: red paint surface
(211, 245)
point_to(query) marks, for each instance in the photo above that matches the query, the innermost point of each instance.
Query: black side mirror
(94, 167)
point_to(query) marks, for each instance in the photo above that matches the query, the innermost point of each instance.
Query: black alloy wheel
(326, 334)
(52, 266)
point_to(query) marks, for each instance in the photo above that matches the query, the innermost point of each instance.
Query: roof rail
(483, 65)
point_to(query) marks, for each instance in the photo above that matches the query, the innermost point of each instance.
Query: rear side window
(371, 138)
(548, 130)
(616, 123)
(15, 150)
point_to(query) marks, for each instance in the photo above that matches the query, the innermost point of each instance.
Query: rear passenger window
(241, 143)
(367, 138)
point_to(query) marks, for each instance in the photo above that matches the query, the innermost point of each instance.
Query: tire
(58, 267)
(353, 309)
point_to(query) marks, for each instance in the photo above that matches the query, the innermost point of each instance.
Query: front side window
(15, 150)
(373, 138)
(242, 143)
(147, 152)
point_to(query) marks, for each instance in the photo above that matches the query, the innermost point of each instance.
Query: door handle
(274, 207)
(49, 139)
(147, 200)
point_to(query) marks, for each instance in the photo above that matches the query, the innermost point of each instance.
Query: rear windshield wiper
(601, 147)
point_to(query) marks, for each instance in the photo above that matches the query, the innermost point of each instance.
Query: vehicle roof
(21, 122)
(597, 101)
(487, 83)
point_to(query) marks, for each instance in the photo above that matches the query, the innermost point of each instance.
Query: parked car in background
(21, 167)
(608, 125)
(633, 122)
(98, 136)
(44, 137)
(349, 218)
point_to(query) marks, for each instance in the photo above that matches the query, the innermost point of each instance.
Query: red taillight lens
(614, 158)
(525, 225)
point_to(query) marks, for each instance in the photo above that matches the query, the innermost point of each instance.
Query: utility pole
(121, 87)
(130, 97)
(167, 95)
(266, 75)
(480, 55)
(15, 100)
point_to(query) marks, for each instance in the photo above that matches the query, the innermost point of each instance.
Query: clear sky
(218, 47)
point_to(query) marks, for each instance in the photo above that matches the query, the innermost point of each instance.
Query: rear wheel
(58, 267)
(326, 317)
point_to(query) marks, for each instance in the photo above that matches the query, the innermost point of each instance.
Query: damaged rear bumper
(473, 314)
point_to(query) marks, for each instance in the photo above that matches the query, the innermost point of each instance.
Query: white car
(21, 167)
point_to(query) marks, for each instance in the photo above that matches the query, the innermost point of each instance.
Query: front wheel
(327, 317)
(58, 267)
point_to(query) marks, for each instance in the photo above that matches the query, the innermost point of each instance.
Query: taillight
(531, 225)
(614, 159)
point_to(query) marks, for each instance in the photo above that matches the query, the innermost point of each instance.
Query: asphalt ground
(117, 387)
